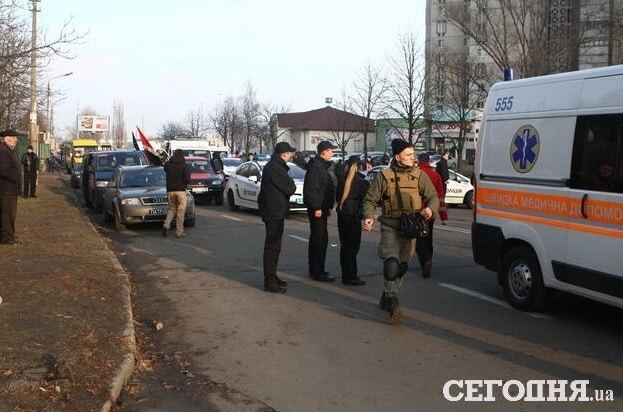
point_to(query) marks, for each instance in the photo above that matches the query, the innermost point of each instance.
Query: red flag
(149, 151)
(144, 140)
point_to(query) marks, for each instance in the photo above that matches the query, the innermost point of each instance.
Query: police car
(549, 187)
(243, 186)
(459, 190)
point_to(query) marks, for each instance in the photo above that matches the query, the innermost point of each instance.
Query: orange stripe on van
(553, 205)
(553, 222)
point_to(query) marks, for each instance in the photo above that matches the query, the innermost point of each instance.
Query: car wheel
(99, 206)
(522, 279)
(107, 216)
(119, 226)
(218, 199)
(189, 222)
(468, 200)
(231, 202)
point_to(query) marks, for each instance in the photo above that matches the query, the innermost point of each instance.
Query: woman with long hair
(351, 189)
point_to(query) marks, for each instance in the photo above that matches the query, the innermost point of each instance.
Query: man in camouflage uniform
(418, 196)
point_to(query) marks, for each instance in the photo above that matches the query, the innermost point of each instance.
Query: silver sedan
(138, 194)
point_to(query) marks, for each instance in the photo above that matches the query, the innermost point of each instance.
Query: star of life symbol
(525, 148)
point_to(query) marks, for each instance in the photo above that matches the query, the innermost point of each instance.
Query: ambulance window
(597, 160)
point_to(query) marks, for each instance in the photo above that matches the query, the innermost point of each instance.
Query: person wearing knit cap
(400, 188)
(30, 163)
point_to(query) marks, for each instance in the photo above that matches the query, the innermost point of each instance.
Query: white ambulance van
(549, 187)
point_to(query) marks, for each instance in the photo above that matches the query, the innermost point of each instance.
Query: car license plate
(158, 211)
(199, 189)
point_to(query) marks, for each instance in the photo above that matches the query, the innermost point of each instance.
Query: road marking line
(302, 239)
(489, 299)
(232, 218)
(453, 229)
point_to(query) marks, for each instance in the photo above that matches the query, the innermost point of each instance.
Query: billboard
(93, 123)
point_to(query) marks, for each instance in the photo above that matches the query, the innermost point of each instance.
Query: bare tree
(344, 132)
(171, 130)
(459, 88)
(518, 34)
(197, 122)
(267, 125)
(405, 97)
(15, 49)
(250, 111)
(370, 87)
(119, 136)
(226, 121)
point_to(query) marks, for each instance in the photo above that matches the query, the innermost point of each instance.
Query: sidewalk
(66, 331)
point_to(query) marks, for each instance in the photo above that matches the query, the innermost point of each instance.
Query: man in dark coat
(178, 178)
(319, 198)
(30, 162)
(442, 168)
(273, 202)
(217, 163)
(10, 186)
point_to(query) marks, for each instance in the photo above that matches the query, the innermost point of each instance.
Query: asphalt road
(328, 347)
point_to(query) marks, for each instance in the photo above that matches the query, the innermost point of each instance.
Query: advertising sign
(93, 123)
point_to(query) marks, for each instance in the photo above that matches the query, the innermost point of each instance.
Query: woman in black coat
(351, 189)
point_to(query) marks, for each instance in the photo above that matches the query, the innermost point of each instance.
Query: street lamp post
(49, 108)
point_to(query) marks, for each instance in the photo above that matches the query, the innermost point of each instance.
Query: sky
(163, 58)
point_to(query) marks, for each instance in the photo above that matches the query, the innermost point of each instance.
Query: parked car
(230, 164)
(98, 172)
(243, 187)
(76, 176)
(138, 194)
(204, 183)
(459, 190)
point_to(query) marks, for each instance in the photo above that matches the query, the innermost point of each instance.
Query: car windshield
(196, 152)
(199, 166)
(147, 177)
(110, 161)
(296, 172)
(232, 162)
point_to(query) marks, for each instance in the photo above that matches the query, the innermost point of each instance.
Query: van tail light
(475, 185)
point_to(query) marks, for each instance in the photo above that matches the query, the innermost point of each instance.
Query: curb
(128, 339)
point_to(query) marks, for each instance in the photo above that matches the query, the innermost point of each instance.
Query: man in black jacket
(10, 186)
(178, 178)
(274, 205)
(319, 197)
(30, 162)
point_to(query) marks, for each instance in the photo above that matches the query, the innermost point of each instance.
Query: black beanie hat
(398, 145)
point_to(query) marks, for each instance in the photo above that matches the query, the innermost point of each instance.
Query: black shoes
(274, 289)
(384, 302)
(427, 269)
(354, 282)
(325, 277)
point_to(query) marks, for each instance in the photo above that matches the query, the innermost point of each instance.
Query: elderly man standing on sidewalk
(274, 206)
(10, 186)
(178, 178)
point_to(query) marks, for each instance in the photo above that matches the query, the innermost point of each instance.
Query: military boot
(384, 302)
(395, 314)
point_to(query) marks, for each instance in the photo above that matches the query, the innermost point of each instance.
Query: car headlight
(217, 182)
(131, 201)
(101, 183)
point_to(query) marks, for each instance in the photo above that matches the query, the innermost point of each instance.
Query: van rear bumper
(487, 243)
